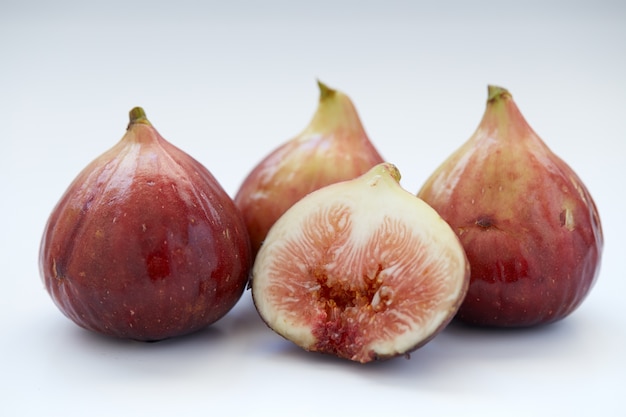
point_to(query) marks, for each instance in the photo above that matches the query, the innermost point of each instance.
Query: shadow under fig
(460, 348)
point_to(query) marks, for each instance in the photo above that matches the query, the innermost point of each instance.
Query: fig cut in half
(360, 269)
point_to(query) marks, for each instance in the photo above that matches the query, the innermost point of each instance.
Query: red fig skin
(528, 224)
(334, 147)
(145, 244)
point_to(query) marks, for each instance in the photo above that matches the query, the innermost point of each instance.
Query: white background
(229, 81)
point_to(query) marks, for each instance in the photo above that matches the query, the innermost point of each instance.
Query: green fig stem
(137, 115)
(387, 168)
(495, 93)
(386, 172)
(503, 115)
(334, 112)
(325, 91)
(393, 171)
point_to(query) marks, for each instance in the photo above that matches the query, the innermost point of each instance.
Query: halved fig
(360, 269)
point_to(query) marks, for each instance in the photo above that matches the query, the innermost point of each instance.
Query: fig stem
(325, 91)
(387, 168)
(495, 93)
(137, 115)
(502, 115)
(394, 172)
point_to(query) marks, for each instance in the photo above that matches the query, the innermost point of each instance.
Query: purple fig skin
(145, 244)
(528, 224)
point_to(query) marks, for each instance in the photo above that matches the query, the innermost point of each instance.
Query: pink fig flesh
(360, 269)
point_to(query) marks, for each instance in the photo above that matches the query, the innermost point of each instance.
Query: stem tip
(325, 91)
(495, 93)
(137, 115)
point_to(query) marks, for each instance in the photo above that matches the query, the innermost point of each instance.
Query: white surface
(228, 83)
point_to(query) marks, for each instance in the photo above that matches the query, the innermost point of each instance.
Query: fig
(145, 244)
(529, 226)
(333, 147)
(361, 269)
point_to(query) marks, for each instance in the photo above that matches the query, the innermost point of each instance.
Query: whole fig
(528, 224)
(145, 244)
(334, 147)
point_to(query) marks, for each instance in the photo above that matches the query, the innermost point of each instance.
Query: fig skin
(145, 244)
(333, 147)
(529, 226)
(360, 269)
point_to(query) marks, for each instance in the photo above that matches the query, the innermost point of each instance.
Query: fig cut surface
(360, 269)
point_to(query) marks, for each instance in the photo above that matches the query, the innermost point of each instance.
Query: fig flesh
(145, 244)
(530, 227)
(360, 269)
(333, 147)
